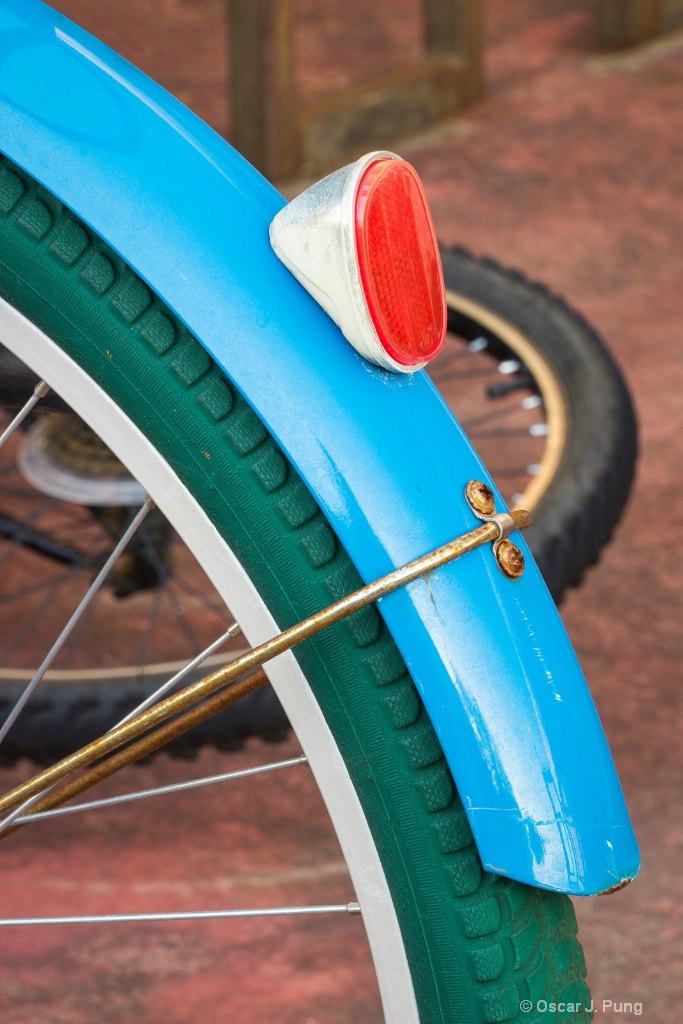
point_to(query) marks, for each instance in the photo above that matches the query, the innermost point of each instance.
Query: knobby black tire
(478, 944)
(587, 494)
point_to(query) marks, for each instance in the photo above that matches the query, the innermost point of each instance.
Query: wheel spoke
(61, 639)
(231, 632)
(178, 787)
(197, 915)
(40, 390)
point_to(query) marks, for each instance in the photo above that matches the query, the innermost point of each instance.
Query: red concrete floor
(569, 169)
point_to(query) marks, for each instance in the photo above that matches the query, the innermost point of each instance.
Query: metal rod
(63, 636)
(196, 915)
(284, 641)
(39, 391)
(47, 800)
(177, 787)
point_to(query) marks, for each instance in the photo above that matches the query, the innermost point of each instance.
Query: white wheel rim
(99, 411)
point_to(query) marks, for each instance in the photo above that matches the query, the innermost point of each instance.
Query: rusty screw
(480, 497)
(510, 559)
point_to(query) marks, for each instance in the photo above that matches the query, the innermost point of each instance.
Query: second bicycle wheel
(450, 941)
(544, 404)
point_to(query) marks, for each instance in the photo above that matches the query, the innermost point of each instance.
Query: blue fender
(382, 454)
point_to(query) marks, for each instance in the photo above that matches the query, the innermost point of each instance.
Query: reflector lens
(399, 263)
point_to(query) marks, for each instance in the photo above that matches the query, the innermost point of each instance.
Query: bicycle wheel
(546, 407)
(449, 941)
(542, 401)
(156, 611)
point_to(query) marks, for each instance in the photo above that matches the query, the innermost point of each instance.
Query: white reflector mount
(362, 242)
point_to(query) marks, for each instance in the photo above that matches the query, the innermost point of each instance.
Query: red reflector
(399, 262)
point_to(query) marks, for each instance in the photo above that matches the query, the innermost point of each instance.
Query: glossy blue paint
(381, 453)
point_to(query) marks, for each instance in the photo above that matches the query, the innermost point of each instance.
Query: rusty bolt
(480, 497)
(510, 559)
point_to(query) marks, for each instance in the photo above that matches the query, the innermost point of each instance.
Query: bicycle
(387, 495)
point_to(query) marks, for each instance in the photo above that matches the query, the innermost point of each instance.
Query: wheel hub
(62, 457)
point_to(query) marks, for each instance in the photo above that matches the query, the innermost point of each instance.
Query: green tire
(478, 945)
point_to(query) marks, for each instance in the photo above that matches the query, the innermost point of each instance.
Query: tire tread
(411, 803)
